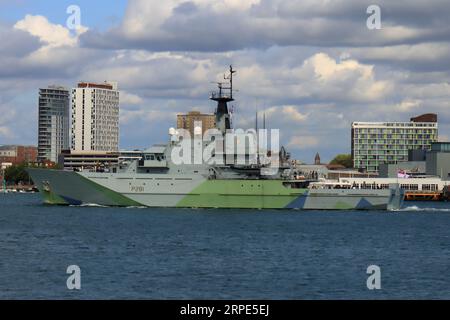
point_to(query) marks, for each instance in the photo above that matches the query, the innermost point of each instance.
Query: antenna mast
(222, 97)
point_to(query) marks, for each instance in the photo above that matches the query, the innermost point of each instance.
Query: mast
(222, 97)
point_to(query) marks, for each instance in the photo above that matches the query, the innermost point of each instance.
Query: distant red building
(17, 154)
(428, 117)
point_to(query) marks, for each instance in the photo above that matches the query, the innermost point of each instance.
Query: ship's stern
(396, 198)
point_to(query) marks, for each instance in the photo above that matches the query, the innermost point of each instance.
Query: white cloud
(54, 35)
(137, 22)
(222, 25)
(227, 5)
(421, 56)
(356, 81)
(303, 142)
(8, 116)
(127, 98)
(311, 64)
(292, 112)
(58, 53)
(289, 113)
(408, 105)
(319, 77)
(5, 132)
(130, 116)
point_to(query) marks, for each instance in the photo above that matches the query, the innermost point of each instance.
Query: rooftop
(157, 149)
(105, 85)
(428, 119)
(7, 147)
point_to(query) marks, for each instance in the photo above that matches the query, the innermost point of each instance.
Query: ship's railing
(220, 95)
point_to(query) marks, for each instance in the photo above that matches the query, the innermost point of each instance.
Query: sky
(312, 66)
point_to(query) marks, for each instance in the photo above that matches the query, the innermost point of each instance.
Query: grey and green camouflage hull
(194, 191)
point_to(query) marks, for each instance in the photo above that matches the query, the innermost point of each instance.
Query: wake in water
(94, 205)
(407, 209)
(418, 209)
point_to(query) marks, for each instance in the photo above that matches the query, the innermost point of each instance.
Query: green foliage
(17, 174)
(344, 160)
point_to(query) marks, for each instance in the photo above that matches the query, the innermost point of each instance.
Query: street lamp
(3, 180)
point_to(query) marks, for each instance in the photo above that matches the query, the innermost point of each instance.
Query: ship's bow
(48, 183)
(72, 188)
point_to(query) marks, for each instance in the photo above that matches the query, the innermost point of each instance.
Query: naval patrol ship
(156, 179)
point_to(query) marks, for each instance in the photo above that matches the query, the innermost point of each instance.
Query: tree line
(17, 174)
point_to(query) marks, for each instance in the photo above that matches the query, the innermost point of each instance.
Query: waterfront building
(403, 169)
(54, 122)
(14, 155)
(435, 163)
(95, 117)
(87, 160)
(438, 160)
(375, 143)
(417, 155)
(94, 160)
(187, 121)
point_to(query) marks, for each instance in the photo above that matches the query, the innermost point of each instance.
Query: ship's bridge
(154, 157)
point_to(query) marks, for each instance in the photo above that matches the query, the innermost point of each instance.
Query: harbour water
(138, 253)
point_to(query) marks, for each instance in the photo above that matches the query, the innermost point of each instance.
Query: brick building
(187, 121)
(14, 155)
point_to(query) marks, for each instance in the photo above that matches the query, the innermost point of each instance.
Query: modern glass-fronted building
(54, 122)
(374, 143)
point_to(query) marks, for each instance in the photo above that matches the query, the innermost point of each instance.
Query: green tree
(17, 174)
(344, 160)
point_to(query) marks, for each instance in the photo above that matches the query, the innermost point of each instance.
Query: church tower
(317, 159)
